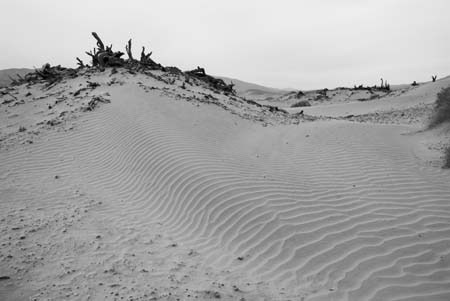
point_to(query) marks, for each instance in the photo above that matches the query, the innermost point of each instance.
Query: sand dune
(420, 97)
(152, 196)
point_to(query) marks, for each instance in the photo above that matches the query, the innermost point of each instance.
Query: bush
(447, 157)
(441, 112)
(301, 103)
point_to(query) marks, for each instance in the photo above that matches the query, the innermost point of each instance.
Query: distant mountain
(254, 91)
(7, 74)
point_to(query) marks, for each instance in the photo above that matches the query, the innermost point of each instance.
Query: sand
(166, 193)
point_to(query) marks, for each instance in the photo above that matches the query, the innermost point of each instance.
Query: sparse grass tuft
(441, 112)
(301, 103)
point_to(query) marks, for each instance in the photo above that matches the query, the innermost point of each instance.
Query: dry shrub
(441, 112)
(447, 157)
(301, 103)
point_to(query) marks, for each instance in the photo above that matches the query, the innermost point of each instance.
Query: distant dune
(254, 91)
(6, 74)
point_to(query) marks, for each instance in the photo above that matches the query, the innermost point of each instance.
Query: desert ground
(120, 185)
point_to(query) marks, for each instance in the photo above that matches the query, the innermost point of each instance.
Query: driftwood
(93, 103)
(104, 56)
(274, 109)
(14, 81)
(80, 63)
(52, 75)
(93, 55)
(145, 57)
(216, 83)
(6, 92)
(146, 62)
(385, 85)
(49, 74)
(110, 59)
(100, 44)
(198, 72)
(19, 77)
(175, 70)
(128, 50)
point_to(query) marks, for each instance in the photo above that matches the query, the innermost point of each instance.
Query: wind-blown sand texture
(163, 194)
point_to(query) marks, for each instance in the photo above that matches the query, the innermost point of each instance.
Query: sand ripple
(333, 211)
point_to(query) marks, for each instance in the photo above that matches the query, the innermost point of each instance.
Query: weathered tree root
(216, 83)
(103, 57)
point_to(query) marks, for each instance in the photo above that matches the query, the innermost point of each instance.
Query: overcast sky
(296, 44)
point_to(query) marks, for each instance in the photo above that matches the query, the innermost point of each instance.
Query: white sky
(296, 44)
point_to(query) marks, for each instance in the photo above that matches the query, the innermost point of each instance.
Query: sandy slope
(153, 196)
(420, 98)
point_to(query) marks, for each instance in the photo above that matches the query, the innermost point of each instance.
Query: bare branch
(100, 44)
(80, 63)
(128, 50)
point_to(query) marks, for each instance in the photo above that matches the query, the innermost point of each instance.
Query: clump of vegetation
(441, 112)
(301, 103)
(22, 129)
(447, 157)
